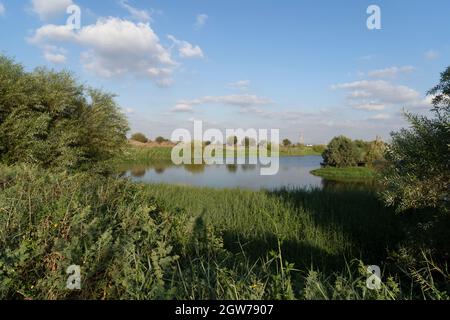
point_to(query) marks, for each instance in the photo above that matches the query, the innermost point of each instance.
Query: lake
(294, 172)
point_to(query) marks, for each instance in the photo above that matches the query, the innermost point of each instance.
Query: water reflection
(294, 173)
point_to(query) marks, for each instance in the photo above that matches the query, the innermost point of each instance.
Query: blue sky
(310, 67)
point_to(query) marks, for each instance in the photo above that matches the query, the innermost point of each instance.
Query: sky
(309, 68)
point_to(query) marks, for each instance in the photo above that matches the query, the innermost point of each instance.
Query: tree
(139, 137)
(418, 175)
(48, 119)
(160, 140)
(340, 152)
(287, 142)
(375, 152)
(361, 147)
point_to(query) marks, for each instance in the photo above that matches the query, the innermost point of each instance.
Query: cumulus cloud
(47, 9)
(243, 101)
(241, 85)
(2, 9)
(391, 72)
(115, 47)
(377, 93)
(432, 55)
(187, 50)
(136, 14)
(55, 54)
(200, 21)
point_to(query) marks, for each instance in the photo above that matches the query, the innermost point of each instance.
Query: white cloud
(187, 50)
(115, 47)
(380, 116)
(378, 92)
(54, 54)
(2, 9)
(370, 106)
(391, 72)
(47, 9)
(241, 84)
(136, 14)
(182, 107)
(200, 21)
(243, 101)
(432, 55)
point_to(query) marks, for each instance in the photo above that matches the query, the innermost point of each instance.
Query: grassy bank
(346, 174)
(138, 154)
(137, 241)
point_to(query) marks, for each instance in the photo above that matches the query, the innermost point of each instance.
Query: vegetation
(48, 119)
(161, 140)
(287, 142)
(153, 242)
(136, 241)
(342, 152)
(419, 157)
(346, 174)
(139, 137)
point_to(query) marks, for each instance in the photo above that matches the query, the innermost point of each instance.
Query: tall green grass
(137, 241)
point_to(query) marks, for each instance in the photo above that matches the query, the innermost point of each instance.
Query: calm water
(294, 172)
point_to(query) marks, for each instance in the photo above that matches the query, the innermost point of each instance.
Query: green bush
(48, 119)
(160, 140)
(319, 148)
(287, 142)
(418, 175)
(121, 240)
(139, 137)
(341, 152)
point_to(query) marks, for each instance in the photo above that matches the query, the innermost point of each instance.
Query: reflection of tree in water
(232, 168)
(160, 170)
(195, 168)
(333, 185)
(138, 172)
(248, 167)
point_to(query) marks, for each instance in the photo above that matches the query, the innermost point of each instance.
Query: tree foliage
(139, 137)
(48, 118)
(287, 142)
(341, 152)
(418, 175)
(161, 140)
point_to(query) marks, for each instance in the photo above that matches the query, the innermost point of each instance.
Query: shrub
(319, 148)
(48, 119)
(139, 137)
(119, 237)
(160, 140)
(418, 175)
(340, 152)
(287, 142)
